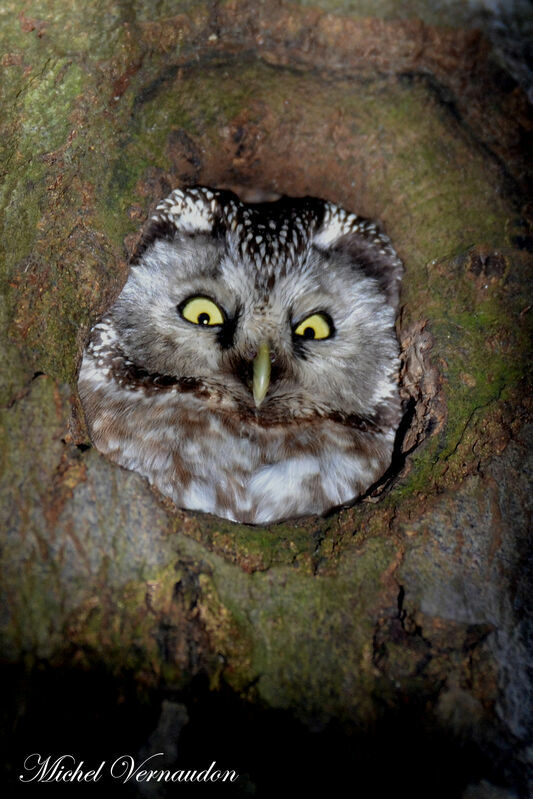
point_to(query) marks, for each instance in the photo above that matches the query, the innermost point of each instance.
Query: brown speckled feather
(173, 399)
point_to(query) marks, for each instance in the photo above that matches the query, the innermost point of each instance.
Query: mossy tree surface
(417, 591)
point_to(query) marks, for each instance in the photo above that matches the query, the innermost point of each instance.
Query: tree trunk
(390, 643)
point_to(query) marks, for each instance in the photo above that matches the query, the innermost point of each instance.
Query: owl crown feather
(273, 234)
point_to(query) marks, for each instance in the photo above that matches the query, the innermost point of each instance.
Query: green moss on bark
(108, 110)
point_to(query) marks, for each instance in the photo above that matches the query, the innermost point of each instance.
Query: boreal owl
(249, 367)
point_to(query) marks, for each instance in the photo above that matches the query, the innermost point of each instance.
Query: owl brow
(217, 264)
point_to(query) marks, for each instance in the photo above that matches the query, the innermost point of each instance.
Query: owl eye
(316, 326)
(201, 311)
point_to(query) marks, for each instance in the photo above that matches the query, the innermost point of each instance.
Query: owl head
(249, 365)
(276, 311)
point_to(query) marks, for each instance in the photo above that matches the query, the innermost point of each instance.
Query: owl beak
(261, 378)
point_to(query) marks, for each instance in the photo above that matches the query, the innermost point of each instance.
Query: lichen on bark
(420, 589)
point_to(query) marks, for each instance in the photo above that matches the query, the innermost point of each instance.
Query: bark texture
(399, 629)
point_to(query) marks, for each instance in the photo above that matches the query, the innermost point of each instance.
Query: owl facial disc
(249, 367)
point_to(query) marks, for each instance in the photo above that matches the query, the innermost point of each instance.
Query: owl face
(255, 347)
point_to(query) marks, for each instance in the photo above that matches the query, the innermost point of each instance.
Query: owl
(249, 367)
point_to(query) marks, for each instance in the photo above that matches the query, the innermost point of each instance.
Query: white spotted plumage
(173, 399)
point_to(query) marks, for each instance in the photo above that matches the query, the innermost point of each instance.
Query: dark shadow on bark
(95, 717)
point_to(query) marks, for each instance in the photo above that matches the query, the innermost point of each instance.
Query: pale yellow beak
(261, 379)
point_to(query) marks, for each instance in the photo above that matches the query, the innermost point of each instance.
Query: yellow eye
(315, 326)
(201, 311)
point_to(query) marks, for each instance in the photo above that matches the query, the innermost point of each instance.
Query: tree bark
(400, 628)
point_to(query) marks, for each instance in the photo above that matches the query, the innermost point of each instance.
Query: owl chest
(246, 473)
(215, 462)
(253, 474)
